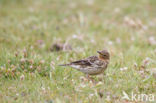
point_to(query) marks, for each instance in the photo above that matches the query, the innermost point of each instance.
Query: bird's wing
(87, 62)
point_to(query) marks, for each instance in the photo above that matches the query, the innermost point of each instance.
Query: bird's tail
(64, 64)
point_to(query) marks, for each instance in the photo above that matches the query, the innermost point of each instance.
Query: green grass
(29, 71)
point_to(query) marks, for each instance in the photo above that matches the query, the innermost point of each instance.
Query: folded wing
(87, 62)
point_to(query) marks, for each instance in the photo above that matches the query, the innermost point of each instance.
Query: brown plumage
(92, 65)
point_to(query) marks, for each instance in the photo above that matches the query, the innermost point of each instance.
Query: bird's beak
(99, 52)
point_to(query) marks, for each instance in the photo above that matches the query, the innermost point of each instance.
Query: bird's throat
(103, 59)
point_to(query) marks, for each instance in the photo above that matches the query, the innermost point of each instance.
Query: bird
(92, 65)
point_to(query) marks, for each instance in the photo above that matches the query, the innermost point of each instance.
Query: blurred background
(89, 23)
(37, 35)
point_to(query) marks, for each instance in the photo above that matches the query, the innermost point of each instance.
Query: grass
(29, 71)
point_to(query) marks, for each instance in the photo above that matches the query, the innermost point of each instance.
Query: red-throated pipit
(93, 65)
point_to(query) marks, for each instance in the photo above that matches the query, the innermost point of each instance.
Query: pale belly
(91, 70)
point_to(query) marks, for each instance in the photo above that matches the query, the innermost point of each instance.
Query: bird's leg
(90, 78)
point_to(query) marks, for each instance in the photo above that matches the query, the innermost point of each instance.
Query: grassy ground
(29, 71)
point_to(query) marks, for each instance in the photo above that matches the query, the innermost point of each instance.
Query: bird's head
(104, 55)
